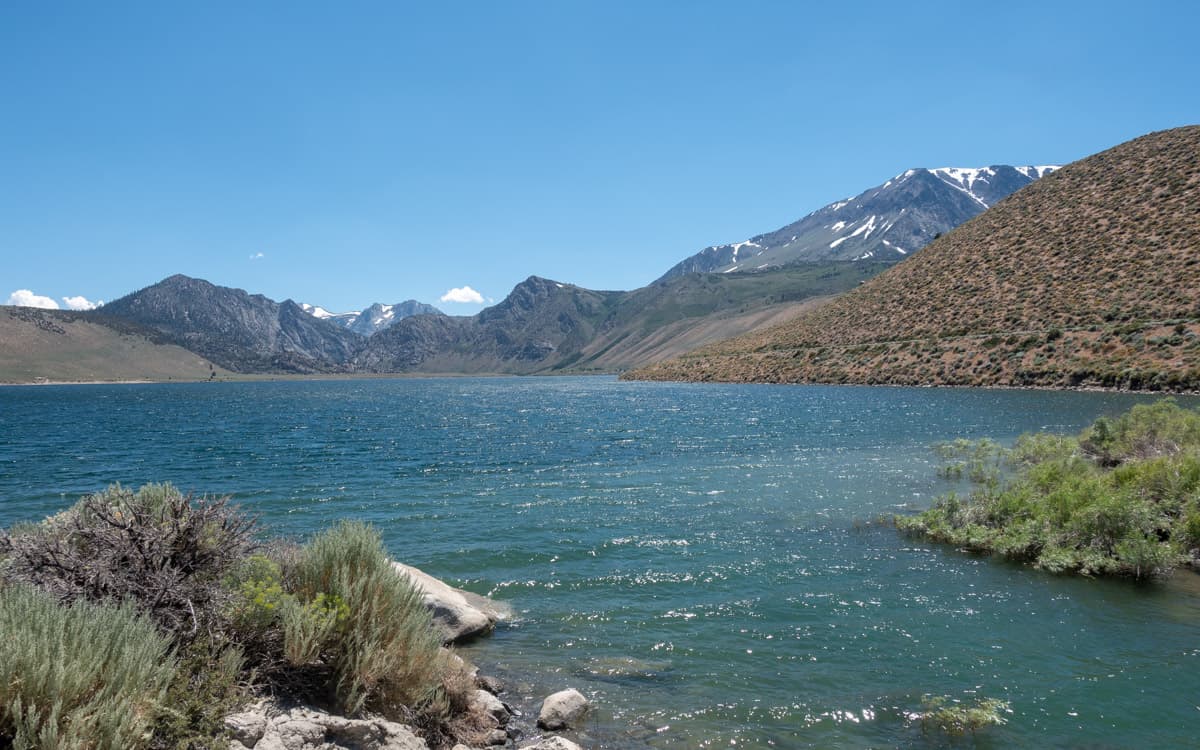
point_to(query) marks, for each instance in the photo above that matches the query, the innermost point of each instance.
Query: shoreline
(320, 377)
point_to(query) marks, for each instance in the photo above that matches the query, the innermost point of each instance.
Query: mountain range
(888, 222)
(547, 326)
(1087, 278)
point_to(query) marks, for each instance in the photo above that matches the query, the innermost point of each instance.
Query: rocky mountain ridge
(239, 331)
(888, 222)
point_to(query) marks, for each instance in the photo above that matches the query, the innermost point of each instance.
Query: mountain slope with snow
(1087, 278)
(373, 319)
(886, 223)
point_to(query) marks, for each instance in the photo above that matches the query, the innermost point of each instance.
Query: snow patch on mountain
(319, 312)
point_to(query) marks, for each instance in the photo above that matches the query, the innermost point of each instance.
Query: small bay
(703, 560)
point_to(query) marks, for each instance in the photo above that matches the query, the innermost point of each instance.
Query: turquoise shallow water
(697, 558)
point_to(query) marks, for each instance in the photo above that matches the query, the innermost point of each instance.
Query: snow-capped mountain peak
(320, 312)
(885, 223)
(374, 318)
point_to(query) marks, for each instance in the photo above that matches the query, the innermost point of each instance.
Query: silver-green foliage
(87, 675)
(385, 653)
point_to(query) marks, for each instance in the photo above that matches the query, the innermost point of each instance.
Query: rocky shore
(460, 616)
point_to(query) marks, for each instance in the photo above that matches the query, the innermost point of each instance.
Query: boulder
(489, 683)
(484, 703)
(563, 710)
(459, 615)
(553, 743)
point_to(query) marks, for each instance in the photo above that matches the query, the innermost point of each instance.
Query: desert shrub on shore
(85, 675)
(157, 548)
(387, 654)
(1122, 498)
(331, 622)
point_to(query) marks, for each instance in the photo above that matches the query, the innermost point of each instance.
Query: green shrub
(1123, 498)
(309, 628)
(1147, 430)
(385, 656)
(258, 600)
(86, 675)
(209, 684)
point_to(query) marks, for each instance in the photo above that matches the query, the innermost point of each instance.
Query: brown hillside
(1088, 277)
(62, 346)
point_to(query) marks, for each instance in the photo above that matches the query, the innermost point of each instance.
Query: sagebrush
(85, 675)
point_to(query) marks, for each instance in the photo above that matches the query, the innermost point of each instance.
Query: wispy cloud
(256, 256)
(26, 298)
(81, 303)
(463, 294)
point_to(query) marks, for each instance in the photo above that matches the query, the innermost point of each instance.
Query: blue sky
(347, 153)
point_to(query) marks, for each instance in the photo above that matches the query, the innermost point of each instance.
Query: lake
(703, 561)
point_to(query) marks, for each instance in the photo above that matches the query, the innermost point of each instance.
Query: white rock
(247, 727)
(562, 710)
(309, 729)
(458, 614)
(298, 733)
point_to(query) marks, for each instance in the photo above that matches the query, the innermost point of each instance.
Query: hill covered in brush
(1087, 277)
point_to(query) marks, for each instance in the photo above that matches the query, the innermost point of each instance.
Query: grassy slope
(669, 318)
(1088, 277)
(59, 346)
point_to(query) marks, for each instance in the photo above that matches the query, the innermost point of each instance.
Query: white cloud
(256, 256)
(26, 298)
(81, 303)
(464, 294)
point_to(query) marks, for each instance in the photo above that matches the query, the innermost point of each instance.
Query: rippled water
(700, 559)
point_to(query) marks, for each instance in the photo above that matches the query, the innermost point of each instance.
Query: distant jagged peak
(373, 318)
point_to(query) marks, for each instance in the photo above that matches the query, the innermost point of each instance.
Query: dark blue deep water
(700, 559)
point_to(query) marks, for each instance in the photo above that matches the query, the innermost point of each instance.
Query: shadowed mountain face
(1088, 277)
(886, 223)
(236, 330)
(545, 326)
(537, 327)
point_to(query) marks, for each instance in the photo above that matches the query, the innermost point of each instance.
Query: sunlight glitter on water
(702, 561)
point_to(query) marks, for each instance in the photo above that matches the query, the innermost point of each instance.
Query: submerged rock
(563, 710)
(458, 614)
(553, 743)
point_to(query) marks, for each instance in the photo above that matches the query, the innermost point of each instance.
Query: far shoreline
(319, 377)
